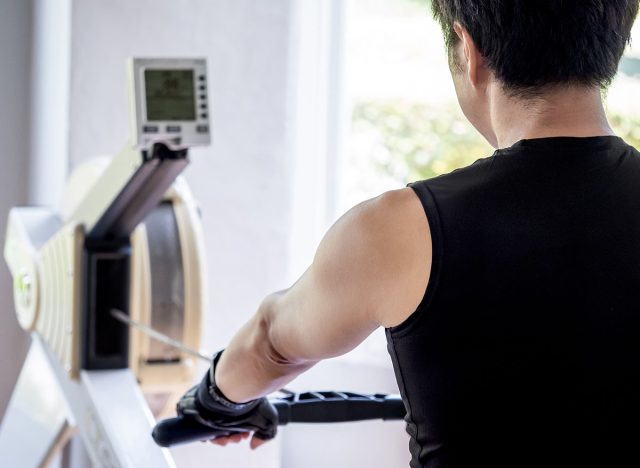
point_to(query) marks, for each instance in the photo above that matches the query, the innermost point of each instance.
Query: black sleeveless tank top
(525, 350)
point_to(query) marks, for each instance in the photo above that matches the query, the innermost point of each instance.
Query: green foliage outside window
(627, 127)
(419, 141)
(426, 141)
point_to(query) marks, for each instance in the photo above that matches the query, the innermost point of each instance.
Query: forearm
(252, 366)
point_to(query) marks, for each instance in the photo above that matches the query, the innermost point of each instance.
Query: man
(510, 289)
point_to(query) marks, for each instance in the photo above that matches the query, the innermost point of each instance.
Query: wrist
(213, 399)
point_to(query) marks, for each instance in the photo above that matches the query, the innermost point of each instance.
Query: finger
(256, 442)
(235, 438)
(221, 441)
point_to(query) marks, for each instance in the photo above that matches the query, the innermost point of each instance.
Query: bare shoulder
(405, 240)
(385, 244)
(396, 205)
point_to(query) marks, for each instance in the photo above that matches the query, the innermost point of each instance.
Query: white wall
(242, 180)
(15, 48)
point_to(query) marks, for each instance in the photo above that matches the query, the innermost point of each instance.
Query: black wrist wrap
(209, 396)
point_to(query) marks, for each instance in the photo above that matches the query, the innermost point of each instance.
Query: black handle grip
(309, 407)
(181, 430)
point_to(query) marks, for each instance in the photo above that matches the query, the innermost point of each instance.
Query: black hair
(534, 44)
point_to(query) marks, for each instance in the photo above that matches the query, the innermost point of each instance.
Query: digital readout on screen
(170, 95)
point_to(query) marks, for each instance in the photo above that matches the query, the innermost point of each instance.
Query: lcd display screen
(170, 95)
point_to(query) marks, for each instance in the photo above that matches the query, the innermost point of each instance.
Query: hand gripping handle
(309, 407)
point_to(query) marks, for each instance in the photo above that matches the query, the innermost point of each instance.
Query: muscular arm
(370, 270)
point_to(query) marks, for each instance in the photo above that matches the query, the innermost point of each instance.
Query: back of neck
(575, 111)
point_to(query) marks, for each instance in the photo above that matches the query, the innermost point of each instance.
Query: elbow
(276, 357)
(273, 344)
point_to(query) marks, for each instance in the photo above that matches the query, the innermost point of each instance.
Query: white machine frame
(105, 408)
(62, 392)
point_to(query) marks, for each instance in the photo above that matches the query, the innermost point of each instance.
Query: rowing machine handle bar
(309, 407)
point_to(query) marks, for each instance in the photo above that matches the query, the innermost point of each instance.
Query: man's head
(532, 46)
